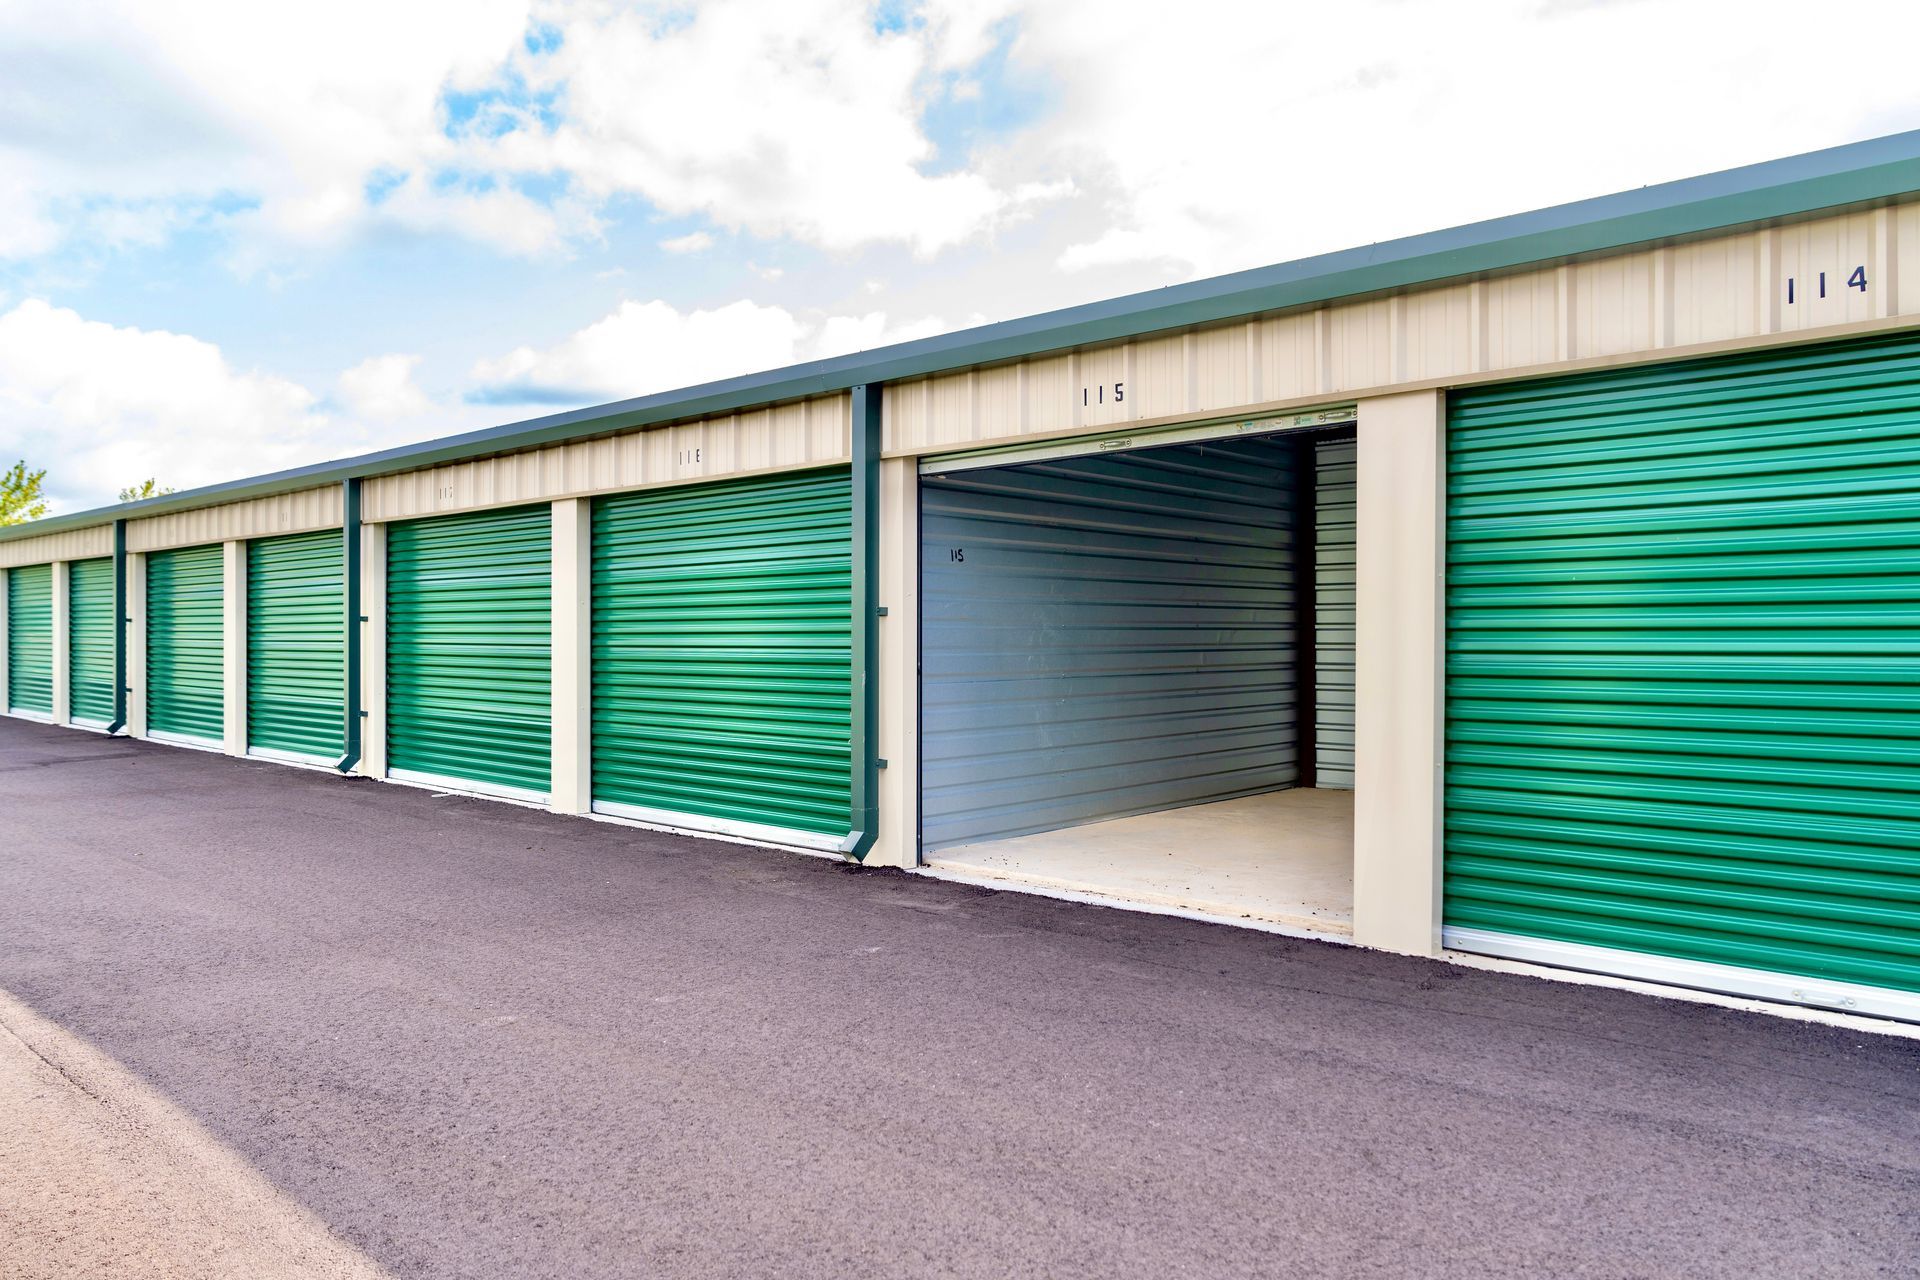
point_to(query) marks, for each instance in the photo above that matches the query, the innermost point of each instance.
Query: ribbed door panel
(1105, 635)
(1333, 618)
(722, 651)
(185, 679)
(90, 640)
(296, 644)
(30, 639)
(1684, 661)
(469, 647)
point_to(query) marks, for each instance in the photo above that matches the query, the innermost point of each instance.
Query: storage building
(1546, 588)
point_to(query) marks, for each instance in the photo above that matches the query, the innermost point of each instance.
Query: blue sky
(238, 237)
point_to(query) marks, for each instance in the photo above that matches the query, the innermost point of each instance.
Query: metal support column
(350, 549)
(119, 724)
(864, 825)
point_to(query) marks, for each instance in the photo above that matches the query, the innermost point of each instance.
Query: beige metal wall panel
(999, 394)
(1224, 369)
(74, 544)
(805, 433)
(301, 512)
(1832, 247)
(1903, 287)
(1160, 375)
(1523, 318)
(1716, 288)
(1441, 332)
(1290, 356)
(1672, 300)
(1399, 634)
(1362, 352)
(1612, 306)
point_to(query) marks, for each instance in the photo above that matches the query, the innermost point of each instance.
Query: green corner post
(120, 689)
(864, 823)
(350, 550)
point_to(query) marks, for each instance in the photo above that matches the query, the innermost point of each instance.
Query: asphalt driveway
(479, 1040)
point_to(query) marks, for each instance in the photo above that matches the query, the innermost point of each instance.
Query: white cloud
(807, 124)
(102, 407)
(692, 242)
(1225, 135)
(642, 347)
(286, 111)
(382, 388)
(1236, 135)
(838, 335)
(648, 346)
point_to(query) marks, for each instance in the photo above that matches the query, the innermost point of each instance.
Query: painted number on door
(1101, 392)
(689, 456)
(1823, 281)
(956, 554)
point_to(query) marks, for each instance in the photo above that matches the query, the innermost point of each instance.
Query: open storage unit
(1120, 687)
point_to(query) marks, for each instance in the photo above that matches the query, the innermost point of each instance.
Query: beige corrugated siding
(74, 544)
(1672, 300)
(1650, 302)
(301, 512)
(805, 433)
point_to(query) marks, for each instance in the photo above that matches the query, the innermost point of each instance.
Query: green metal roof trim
(1860, 172)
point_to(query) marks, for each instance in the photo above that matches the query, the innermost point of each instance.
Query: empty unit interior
(1137, 673)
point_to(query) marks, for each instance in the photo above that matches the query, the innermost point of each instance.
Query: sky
(237, 237)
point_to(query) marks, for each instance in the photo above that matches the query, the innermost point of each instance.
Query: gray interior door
(1105, 635)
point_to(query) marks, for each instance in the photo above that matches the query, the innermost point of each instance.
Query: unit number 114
(1858, 280)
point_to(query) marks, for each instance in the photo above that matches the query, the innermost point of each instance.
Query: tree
(145, 489)
(23, 494)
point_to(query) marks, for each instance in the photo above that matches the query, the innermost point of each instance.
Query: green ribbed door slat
(30, 638)
(90, 639)
(1683, 661)
(722, 651)
(296, 644)
(469, 647)
(186, 683)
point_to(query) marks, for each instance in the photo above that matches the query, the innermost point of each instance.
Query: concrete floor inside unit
(1285, 857)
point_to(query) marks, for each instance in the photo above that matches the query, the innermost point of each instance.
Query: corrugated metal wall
(90, 637)
(186, 680)
(296, 644)
(1716, 289)
(470, 648)
(30, 639)
(75, 544)
(1333, 565)
(299, 512)
(722, 651)
(1105, 635)
(1683, 699)
(786, 437)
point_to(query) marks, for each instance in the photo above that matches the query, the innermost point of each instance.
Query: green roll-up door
(722, 652)
(469, 648)
(185, 681)
(30, 639)
(90, 639)
(296, 644)
(1683, 701)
